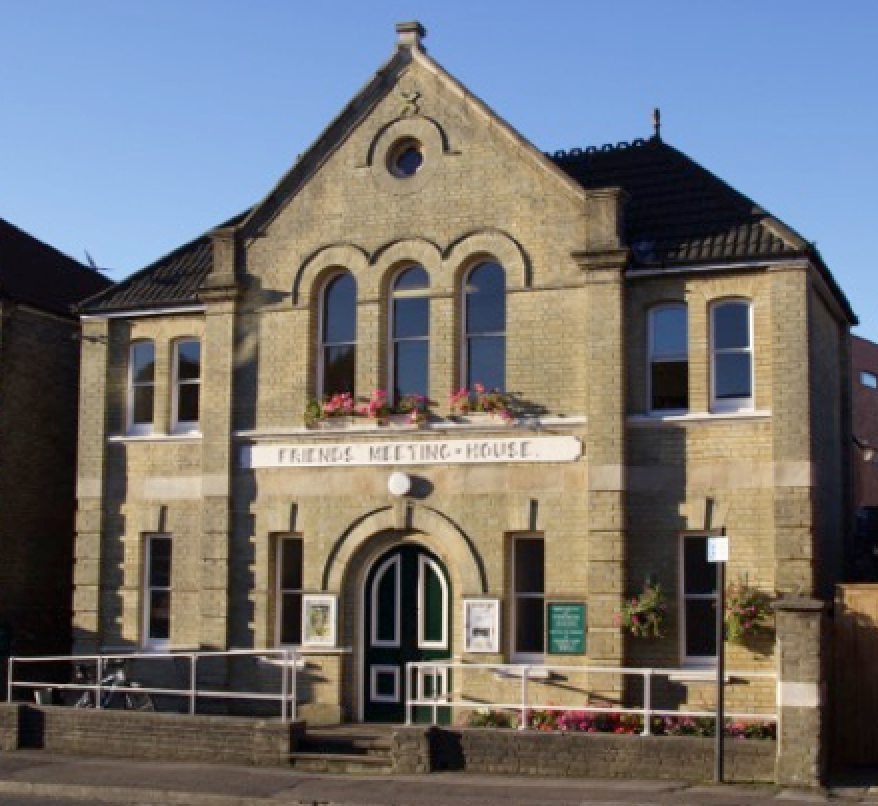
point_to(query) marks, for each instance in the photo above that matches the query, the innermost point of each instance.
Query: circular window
(405, 159)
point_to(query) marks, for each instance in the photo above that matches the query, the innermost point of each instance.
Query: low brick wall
(579, 755)
(172, 737)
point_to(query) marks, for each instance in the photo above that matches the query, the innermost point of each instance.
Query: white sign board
(717, 549)
(429, 452)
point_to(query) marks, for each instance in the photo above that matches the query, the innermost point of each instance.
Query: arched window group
(483, 335)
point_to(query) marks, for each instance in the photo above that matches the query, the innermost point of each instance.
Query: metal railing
(285, 697)
(436, 674)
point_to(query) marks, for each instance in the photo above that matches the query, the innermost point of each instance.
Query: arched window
(410, 326)
(731, 341)
(484, 315)
(668, 358)
(338, 336)
(141, 387)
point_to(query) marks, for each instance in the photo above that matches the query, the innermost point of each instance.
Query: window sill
(697, 417)
(183, 436)
(535, 672)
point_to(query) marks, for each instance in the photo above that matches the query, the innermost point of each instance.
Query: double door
(407, 619)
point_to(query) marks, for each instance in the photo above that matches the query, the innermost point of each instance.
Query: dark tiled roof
(171, 280)
(37, 274)
(677, 211)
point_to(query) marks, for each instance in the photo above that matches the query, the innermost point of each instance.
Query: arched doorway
(406, 618)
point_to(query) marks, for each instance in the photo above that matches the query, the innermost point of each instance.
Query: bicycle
(116, 689)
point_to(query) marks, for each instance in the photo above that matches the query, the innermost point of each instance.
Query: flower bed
(580, 721)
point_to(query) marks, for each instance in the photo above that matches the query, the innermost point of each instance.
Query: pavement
(108, 780)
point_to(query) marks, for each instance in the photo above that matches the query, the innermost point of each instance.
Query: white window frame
(139, 429)
(149, 642)
(280, 591)
(392, 340)
(322, 344)
(393, 643)
(868, 379)
(692, 661)
(184, 426)
(675, 358)
(732, 403)
(442, 643)
(535, 658)
(465, 335)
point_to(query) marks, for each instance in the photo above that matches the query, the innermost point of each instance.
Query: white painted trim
(86, 317)
(674, 358)
(759, 265)
(374, 641)
(186, 426)
(193, 436)
(158, 645)
(525, 658)
(736, 403)
(438, 673)
(374, 671)
(696, 417)
(442, 643)
(278, 590)
(139, 429)
(321, 343)
(690, 661)
(391, 338)
(464, 325)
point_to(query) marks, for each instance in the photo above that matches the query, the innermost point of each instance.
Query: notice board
(566, 628)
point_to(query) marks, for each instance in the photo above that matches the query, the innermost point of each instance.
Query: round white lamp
(399, 483)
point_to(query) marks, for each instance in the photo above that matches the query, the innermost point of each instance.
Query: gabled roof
(34, 273)
(171, 281)
(679, 213)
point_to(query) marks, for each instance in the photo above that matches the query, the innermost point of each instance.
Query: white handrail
(447, 699)
(286, 696)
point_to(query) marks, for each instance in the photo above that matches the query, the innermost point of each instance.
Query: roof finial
(411, 34)
(657, 123)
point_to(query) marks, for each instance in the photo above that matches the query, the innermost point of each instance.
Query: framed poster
(318, 619)
(566, 622)
(481, 620)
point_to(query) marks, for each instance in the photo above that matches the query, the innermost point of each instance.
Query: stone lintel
(601, 260)
(799, 604)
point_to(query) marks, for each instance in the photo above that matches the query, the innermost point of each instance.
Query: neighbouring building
(39, 393)
(675, 364)
(864, 380)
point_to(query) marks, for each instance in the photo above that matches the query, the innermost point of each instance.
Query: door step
(355, 751)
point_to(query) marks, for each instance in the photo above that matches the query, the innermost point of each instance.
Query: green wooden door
(407, 619)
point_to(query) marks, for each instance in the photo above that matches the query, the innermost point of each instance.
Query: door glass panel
(434, 605)
(160, 562)
(529, 566)
(160, 615)
(700, 575)
(385, 610)
(291, 618)
(700, 627)
(291, 564)
(529, 626)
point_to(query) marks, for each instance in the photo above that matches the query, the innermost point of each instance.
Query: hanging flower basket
(748, 613)
(644, 615)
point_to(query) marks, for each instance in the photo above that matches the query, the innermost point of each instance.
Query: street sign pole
(718, 552)
(720, 669)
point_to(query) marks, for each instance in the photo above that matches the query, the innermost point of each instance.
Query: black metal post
(720, 668)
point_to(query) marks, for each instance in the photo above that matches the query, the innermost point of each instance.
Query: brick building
(39, 391)
(675, 362)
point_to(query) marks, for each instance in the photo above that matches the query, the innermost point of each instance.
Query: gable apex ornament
(409, 106)
(410, 34)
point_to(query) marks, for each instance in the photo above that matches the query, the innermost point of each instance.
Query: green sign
(566, 628)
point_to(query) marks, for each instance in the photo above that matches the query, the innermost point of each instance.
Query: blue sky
(128, 127)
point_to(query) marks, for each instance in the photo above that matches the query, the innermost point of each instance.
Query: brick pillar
(604, 264)
(802, 654)
(794, 528)
(91, 459)
(219, 294)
